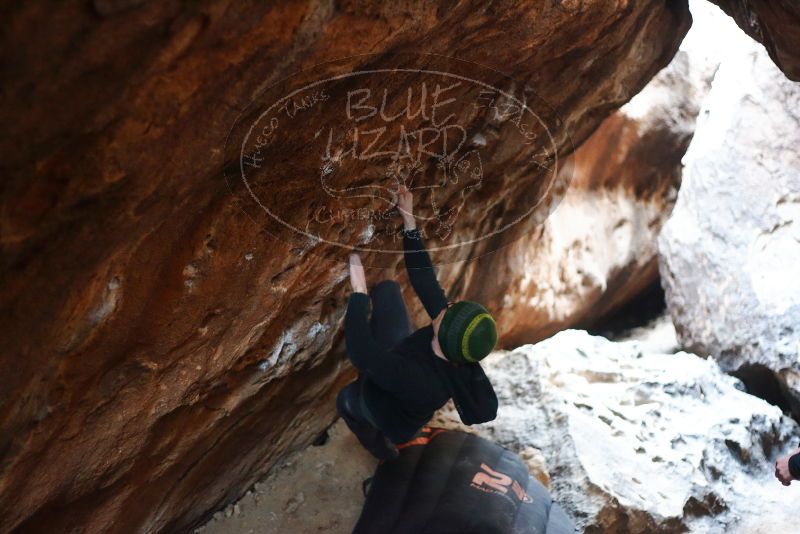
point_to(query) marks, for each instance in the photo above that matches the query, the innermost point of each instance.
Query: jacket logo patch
(492, 481)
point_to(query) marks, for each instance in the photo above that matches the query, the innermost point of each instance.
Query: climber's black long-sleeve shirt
(406, 384)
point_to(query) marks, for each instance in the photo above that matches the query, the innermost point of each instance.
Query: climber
(405, 377)
(787, 468)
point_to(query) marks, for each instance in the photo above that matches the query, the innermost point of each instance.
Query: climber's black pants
(389, 325)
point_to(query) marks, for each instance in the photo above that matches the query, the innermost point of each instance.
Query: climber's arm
(422, 274)
(383, 367)
(418, 263)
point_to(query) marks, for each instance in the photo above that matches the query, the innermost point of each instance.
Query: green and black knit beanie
(467, 332)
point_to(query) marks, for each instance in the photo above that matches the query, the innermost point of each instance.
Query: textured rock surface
(160, 351)
(775, 23)
(729, 252)
(640, 442)
(597, 250)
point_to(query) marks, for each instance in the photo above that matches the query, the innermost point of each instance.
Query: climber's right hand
(405, 205)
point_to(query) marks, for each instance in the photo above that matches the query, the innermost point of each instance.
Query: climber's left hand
(358, 279)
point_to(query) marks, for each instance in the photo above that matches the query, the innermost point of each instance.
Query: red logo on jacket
(492, 481)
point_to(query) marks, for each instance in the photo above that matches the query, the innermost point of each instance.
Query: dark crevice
(647, 306)
(322, 439)
(760, 381)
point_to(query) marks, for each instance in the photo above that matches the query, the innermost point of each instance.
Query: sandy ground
(317, 489)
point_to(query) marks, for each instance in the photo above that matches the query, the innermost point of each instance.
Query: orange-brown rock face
(161, 350)
(774, 23)
(597, 250)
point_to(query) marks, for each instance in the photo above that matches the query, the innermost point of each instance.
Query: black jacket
(404, 386)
